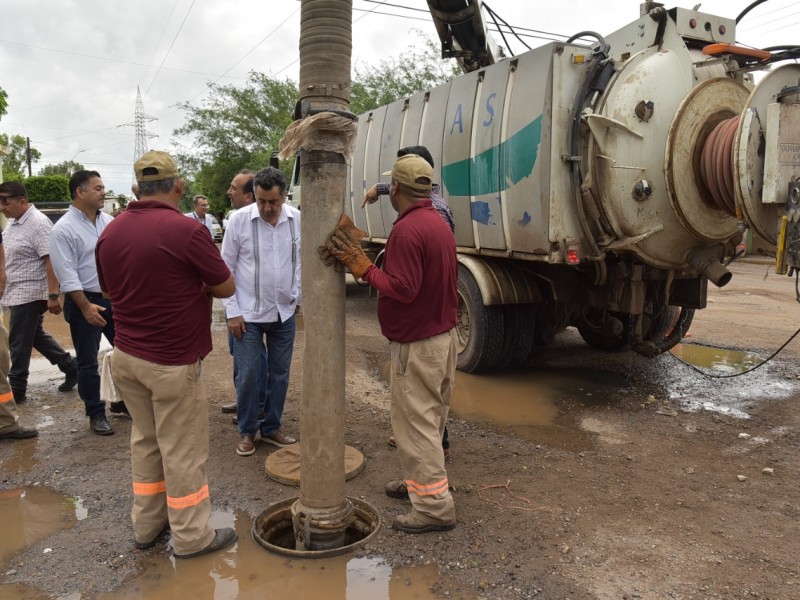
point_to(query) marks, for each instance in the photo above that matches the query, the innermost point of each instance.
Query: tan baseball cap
(155, 165)
(412, 171)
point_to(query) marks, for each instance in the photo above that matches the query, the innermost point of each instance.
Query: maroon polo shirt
(153, 262)
(419, 277)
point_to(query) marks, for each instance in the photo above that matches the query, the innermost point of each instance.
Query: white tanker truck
(600, 186)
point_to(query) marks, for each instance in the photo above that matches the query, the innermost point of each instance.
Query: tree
(418, 69)
(239, 127)
(3, 102)
(15, 162)
(236, 127)
(47, 188)
(67, 167)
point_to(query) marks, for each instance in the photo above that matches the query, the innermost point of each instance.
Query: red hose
(716, 165)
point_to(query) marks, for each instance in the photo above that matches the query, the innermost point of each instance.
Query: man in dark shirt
(158, 268)
(417, 312)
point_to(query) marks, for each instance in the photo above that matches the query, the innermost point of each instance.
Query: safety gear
(349, 232)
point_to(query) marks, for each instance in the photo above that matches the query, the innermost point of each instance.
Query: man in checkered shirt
(31, 289)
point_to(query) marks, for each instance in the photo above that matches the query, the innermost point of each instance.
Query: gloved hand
(350, 231)
(348, 252)
(344, 246)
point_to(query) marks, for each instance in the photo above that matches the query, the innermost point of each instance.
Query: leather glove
(349, 253)
(350, 231)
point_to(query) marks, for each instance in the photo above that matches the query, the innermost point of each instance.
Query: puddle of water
(24, 458)
(730, 396)
(247, 571)
(524, 403)
(720, 360)
(33, 513)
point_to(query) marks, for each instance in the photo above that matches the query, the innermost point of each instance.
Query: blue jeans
(86, 340)
(246, 358)
(262, 372)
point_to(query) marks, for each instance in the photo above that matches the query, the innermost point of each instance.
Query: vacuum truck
(601, 182)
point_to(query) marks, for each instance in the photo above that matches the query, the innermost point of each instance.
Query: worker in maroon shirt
(159, 268)
(417, 312)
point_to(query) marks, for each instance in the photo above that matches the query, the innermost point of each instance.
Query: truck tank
(598, 187)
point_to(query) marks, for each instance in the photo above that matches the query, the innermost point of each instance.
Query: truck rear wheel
(519, 327)
(480, 327)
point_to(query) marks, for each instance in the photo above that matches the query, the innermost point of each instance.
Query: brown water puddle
(721, 360)
(248, 571)
(33, 513)
(244, 571)
(23, 459)
(530, 404)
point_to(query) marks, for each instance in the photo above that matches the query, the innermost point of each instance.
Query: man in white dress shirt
(262, 249)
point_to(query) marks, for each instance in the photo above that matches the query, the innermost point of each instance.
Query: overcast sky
(71, 67)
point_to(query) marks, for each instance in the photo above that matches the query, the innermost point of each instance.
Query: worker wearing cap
(417, 312)
(158, 267)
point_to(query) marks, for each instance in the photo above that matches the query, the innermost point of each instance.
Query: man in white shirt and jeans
(262, 249)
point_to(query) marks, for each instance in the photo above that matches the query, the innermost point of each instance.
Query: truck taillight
(573, 254)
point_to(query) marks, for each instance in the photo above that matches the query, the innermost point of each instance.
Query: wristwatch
(52, 296)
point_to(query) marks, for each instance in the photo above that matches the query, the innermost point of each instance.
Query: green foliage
(3, 102)
(235, 128)
(14, 161)
(239, 127)
(417, 69)
(47, 188)
(68, 167)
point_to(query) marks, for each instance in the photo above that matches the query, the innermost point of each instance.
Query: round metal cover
(748, 164)
(284, 465)
(709, 103)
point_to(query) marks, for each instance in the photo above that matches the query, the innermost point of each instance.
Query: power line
(175, 39)
(108, 59)
(158, 43)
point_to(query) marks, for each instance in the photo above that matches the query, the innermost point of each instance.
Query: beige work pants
(422, 384)
(169, 449)
(9, 421)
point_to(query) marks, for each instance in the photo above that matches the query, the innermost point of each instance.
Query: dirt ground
(647, 490)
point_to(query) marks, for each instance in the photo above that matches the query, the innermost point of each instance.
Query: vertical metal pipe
(322, 513)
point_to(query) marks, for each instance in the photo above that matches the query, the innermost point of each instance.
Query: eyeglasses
(5, 199)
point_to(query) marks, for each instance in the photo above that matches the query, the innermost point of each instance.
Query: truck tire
(479, 328)
(603, 341)
(519, 327)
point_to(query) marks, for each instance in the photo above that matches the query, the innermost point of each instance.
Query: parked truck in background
(600, 186)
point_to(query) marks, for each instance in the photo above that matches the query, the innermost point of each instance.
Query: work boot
(154, 541)
(397, 489)
(247, 445)
(229, 408)
(222, 539)
(71, 379)
(100, 425)
(410, 524)
(20, 433)
(19, 396)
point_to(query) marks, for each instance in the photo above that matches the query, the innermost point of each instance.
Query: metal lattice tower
(140, 119)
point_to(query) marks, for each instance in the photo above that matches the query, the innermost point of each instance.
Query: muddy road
(585, 475)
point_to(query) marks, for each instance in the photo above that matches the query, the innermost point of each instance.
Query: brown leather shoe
(246, 446)
(229, 408)
(410, 524)
(279, 439)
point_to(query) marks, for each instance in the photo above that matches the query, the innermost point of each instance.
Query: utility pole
(323, 512)
(28, 153)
